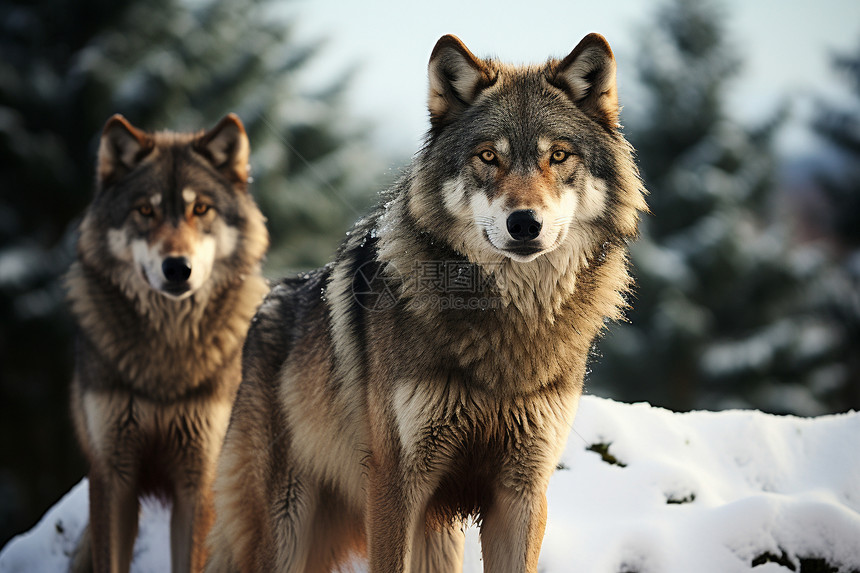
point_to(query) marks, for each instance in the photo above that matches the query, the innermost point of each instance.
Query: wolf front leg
(438, 549)
(190, 521)
(114, 509)
(392, 518)
(512, 530)
(192, 479)
(399, 540)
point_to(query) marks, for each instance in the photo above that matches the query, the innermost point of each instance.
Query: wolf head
(172, 210)
(524, 160)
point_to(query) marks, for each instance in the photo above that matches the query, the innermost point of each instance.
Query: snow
(743, 484)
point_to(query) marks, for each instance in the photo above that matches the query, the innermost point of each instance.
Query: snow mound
(703, 491)
(640, 489)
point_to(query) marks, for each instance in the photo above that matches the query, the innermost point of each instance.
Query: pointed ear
(226, 147)
(587, 75)
(456, 78)
(121, 149)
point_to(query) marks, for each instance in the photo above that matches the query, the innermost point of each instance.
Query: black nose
(176, 269)
(523, 225)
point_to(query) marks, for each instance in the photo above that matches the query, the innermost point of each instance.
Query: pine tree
(839, 126)
(715, 318)
(65, 67)
(837, 292)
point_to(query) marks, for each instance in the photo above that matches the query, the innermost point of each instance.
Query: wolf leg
(190, 521)
(394, 510)
(292, 505)
(193, 497)
(337, 535)
(438, 550)
(263, 515)
(512, 531)
(114, 510)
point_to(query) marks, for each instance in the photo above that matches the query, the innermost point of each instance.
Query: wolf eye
(145, 210)
(488, 156)
(559, 156)
(201, 208)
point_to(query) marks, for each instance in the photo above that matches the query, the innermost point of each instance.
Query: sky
(786, 46)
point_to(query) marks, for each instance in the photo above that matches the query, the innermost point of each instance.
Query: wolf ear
(226, 147)
(456, 78)
(587, 75)
(121, 149)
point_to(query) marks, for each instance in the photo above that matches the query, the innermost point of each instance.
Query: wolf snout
(524, 225)
(176, 269)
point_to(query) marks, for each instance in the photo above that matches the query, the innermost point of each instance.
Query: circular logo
(374, 289)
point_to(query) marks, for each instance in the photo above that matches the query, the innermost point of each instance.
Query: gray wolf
(433, 370)
(166, 281)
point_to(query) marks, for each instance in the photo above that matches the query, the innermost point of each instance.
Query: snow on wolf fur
(647, 490)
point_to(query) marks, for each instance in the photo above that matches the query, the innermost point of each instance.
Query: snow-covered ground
(640, 489)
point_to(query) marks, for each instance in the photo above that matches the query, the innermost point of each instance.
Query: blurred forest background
(748, 270)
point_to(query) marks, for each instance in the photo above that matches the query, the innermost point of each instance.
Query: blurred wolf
(164, 288)
(432, 372)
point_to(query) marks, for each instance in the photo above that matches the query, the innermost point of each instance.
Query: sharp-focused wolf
(433, 370)
(163, 290)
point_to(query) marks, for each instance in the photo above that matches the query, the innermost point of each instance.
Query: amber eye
(145, 210)
(487, 156)
(559, 156)
(201, 208)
